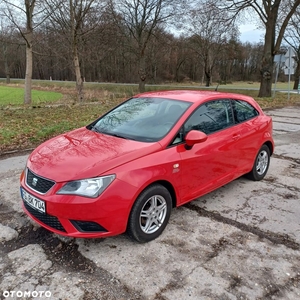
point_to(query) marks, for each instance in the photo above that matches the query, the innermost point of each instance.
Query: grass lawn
(15, 96)
(23, 127)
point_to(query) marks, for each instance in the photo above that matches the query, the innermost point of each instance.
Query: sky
(250, 33)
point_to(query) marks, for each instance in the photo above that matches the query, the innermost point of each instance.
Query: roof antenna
(216, 89)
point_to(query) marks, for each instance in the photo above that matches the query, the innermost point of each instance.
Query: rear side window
(243, 111)
(211, 117)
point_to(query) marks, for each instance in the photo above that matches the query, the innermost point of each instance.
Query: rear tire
(261, 164)
(150, 214)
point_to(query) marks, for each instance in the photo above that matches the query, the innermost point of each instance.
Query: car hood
(83, 153)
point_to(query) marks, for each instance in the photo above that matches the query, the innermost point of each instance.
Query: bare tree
(210, 33)
(232, 61)
(72, 19)
(6, 42)
(21, 15)
(137, 21)
(274, 14)
(107, 48)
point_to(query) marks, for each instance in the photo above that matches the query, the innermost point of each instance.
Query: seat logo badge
(34, 181)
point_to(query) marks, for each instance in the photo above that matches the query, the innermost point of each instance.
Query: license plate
(35, 203)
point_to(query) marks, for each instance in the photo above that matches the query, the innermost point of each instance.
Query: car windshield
(141, 119)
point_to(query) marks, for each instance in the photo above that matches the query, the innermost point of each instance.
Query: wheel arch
(170, 188)
(165, 184)
(135, 231)
(270, 146)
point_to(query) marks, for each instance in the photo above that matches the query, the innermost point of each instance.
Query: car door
(212, 163)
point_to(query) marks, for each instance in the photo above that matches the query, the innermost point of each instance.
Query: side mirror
(194, 137)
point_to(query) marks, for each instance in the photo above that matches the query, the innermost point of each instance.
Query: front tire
(261, 164)
(150, 214)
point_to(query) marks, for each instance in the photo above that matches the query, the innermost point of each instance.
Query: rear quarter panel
(253, 134)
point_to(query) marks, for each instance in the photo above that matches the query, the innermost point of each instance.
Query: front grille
(51, 221)
(87, 226)
(37, 183)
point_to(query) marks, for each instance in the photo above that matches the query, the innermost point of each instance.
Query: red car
(153, 152)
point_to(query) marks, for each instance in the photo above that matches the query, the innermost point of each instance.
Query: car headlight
(91, 187)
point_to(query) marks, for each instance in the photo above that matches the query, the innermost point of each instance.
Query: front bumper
(77, 216)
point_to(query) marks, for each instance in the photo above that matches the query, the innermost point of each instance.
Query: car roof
(194, 96)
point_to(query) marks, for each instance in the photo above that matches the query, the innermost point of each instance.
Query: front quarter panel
(160, 166)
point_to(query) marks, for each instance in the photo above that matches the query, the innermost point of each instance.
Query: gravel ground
(241, 241)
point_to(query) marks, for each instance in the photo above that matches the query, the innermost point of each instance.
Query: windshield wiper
(118, 135)
(121, 136)
(94, 128)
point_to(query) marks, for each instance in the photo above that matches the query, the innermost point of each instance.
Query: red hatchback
(155, 151)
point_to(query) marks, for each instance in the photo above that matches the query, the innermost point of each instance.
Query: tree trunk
(7, 78)
(266, 72)
(297, 76)
(207, 79)
(28, 73)
(203, 75)
(207, 71)
(74, 38)
(6, 65)
(79, 79)
(266, 69)
(178, 69)
(207, 75)
(142, 74)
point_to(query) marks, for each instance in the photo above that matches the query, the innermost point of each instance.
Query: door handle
(236, 136)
